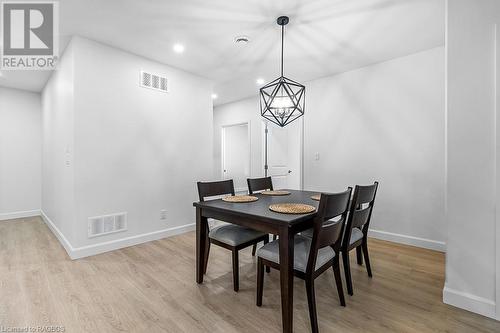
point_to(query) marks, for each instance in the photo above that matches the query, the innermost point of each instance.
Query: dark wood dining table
(257, 215)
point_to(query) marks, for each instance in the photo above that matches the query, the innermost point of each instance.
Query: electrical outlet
(163, 214)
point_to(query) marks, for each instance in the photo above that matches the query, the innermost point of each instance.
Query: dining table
(258, 216)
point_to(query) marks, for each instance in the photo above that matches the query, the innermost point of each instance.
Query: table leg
(286, 242)
(201, 244)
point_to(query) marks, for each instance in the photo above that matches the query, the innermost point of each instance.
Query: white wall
(20, 153)
(135, 150)
(472, 278)
(58, 179)
(383, 122)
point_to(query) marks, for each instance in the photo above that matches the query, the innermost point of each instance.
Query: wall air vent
(154, 81)
(106, 224)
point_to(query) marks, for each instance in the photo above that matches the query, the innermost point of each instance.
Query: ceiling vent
(106, 224)
(154, 81)
(241, 40)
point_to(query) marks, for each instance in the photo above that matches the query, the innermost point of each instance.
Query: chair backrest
(212, 189)
(329, 224)
(361, 211)
(259, 184)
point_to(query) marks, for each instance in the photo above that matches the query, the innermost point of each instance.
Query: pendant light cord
(282, 43)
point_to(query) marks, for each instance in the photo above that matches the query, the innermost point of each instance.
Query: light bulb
(282, 106)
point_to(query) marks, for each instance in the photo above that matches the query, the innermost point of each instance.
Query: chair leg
(347, 271)
(367, 258)
(207, 251)
(338, 281)
(254, 249)
(359, 255)
(260, 281)
(312, 304)
(236, 271)
(268, 269)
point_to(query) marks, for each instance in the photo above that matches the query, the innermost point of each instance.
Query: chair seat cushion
(356, 234)
(307, 233)
(270, 252)
(234, 235)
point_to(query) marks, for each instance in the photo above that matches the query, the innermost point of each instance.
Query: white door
(236, 155)
(284, 155)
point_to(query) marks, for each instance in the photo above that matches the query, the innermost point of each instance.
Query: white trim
(59, 235)
(19, 215)
(90, 250)
(469, 302)
(497, 165)
(408, 240)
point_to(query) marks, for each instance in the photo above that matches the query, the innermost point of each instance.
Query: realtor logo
(29, 35)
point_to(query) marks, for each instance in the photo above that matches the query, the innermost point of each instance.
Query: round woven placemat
(240, 198)
(276, 192)
(316, 197)
(292, 208)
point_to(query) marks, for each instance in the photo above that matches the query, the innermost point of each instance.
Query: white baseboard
(408, 240)
(470, 302)
(59, 235)
(19, 215)
(90, 250)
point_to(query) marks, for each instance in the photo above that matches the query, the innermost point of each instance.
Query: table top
(260, 209)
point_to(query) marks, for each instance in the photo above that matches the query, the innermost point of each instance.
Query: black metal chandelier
(282, 100)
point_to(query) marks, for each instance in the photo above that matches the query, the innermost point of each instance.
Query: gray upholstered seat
(271, 251)
(307, 233)
(234, 235)
(356, 234)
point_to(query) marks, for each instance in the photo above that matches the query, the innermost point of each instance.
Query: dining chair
(229, 236)
(315, 255)
(356, 232)
(259, 185)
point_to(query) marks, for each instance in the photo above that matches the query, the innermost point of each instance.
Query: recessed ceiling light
(214, 96)
(260, 81)
(178, 48)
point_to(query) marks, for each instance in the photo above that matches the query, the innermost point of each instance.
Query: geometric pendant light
(282, 100)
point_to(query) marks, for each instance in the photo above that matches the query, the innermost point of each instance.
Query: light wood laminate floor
(151, 288)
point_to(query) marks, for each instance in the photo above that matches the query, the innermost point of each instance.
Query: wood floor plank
(151, 288)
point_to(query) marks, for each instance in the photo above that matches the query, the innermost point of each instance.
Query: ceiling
(323, 37)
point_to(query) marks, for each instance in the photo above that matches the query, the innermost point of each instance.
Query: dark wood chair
(356, 232)
(232, 237)
(315, 255)
(259, 185)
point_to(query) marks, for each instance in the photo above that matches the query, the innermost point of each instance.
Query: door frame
(223, 150)
(301, 149)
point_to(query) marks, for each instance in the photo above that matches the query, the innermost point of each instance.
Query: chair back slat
(365, 194)
(212, 189)
(259, 184)
(330, 233)
(360, 217)
(360, 212)
(329, 224)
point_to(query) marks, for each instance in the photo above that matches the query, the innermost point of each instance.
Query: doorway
(236, 154)
(284, 149)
